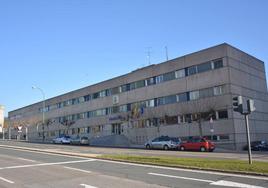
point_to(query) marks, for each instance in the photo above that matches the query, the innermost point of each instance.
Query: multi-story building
(184, 97)
(1, 118)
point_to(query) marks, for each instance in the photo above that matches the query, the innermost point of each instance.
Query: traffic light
(238, 104)
(250, 105)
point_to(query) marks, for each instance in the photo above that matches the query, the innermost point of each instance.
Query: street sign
(19, 127)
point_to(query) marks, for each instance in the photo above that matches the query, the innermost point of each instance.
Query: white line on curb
(219, 183)
(6, 180)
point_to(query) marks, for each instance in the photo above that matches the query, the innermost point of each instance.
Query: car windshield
(84, 138)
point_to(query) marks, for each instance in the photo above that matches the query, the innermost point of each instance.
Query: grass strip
(209, 164)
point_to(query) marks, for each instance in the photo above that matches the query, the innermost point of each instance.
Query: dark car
(257, 146)
(197, 144)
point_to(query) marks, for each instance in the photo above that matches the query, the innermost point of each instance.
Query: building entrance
(116, 128)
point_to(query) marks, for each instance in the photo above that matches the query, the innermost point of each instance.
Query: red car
(197, 144)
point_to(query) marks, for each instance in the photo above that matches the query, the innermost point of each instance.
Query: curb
(98, 156)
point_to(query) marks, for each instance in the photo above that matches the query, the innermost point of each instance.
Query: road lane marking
(181, 177)
(47, 164)
(29, 160)
(6, 180)
(77, 169)
(233, 184)
(88, 186)
(187, 170)
(219, 183)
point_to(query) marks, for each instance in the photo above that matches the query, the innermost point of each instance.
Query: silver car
(80, 140)
(163, 142)
(61, 140)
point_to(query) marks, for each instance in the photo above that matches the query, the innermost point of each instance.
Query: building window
(151, 81)
(170, 99)
(218, 63)
(192, 70)
(223, 114)
(115, 109)
(81, 99)
(217, 90)
(204, 67)
(115, 90)
(206, 93)
(123, 108)
(180, 73)
(125, 87)
(102, 93)
(159, 79)
(149, 103)
(96, 95)
(194, 95)
(75, 101)
(169, 76)
(182, 97)
(140, 83)
(87, 97)
(171, 120)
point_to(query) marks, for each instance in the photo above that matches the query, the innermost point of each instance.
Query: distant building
(185, 97)
(1, 118)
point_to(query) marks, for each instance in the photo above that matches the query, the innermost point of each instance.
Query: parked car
(62, 140)
(80, 140)
(197, 144)
(258, 146)
(163, 142)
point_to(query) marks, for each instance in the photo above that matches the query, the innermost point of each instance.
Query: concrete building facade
(185, 97)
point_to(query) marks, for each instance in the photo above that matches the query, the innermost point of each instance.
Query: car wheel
(182, 148)
(148, 146)
(202, 149)
(165, 147)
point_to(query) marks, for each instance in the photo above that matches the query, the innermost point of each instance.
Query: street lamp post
(43, 110)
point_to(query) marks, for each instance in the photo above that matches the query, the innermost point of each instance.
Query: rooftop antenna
(166, 48)
(149, 55)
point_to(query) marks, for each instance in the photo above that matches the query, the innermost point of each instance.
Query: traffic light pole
(248, 139)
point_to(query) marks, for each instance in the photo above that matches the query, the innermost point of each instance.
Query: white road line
(77, 169)
(233, 184)
(47, 164)
(29, 160)
(88, 186)
(187, 170)
(219, 183)
(44, 152)
(181, 177)
(6, 180)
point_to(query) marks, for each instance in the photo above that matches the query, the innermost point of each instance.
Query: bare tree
(199, 110)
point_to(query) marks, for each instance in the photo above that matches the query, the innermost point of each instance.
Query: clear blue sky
(63, 45)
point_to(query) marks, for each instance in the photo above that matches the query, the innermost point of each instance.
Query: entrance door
(116, 128)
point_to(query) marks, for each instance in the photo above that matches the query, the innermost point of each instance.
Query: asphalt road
(30, 169)
(257, 156)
